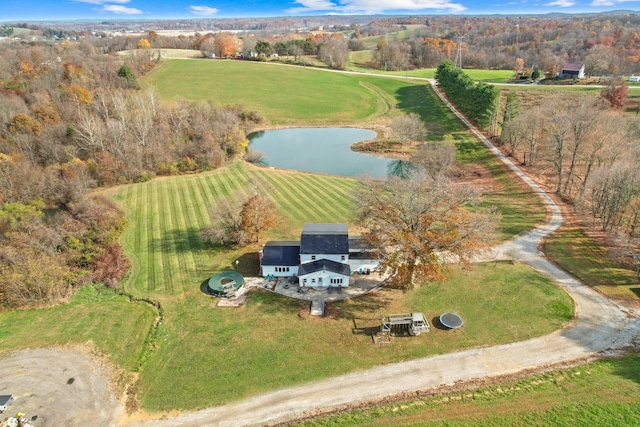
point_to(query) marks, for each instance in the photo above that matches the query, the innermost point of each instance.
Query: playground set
(406, 323)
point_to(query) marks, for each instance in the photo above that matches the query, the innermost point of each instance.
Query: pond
(319, 150)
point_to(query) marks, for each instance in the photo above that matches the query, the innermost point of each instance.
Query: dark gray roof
(285, 253)
(327, 239)
(325, 229)
(324, 264)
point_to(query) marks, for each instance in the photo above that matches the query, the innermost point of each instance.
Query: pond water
(319, 150)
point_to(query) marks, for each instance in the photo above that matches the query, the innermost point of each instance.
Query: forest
(74, 119)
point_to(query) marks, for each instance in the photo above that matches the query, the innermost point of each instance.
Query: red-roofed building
(572, 71)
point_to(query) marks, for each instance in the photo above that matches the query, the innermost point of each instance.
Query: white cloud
(102, 1)
(203, 10)
(374, 6)
(120, 10)
(561, 3)
(597, 3)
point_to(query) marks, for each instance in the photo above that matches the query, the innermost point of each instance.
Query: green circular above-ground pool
(225, 283)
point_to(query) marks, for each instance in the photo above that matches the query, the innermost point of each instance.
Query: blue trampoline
(451, 320)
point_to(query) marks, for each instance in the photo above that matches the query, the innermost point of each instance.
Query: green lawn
(231, 353)
(282, 94)
(581, 256)
(102, 319)
(602, 393)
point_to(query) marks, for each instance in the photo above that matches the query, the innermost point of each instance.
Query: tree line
(478, 101)
(605, 43)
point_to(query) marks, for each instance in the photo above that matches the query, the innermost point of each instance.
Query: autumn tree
(615, 93)
(224, 45)
(391, 56)
(144, 44)
(258, 215)
(418, 223)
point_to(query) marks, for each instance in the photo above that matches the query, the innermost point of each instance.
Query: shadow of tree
(421, 99)
(628, 367)
(178, 241)
(354, 308)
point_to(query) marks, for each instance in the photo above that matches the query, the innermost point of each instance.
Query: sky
(13, 10)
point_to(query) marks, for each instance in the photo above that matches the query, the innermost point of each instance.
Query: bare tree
(437, 158)
(334, 52)
(226, 223)
(409, 128)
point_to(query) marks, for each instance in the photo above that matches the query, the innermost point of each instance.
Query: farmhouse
(325, 256)
(572, 71)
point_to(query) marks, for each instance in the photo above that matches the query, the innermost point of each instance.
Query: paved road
(601, 327)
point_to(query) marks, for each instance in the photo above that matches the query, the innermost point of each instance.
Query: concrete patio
(360, 284)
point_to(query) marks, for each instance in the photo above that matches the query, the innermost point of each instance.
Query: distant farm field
(231, 353)
(282, 94)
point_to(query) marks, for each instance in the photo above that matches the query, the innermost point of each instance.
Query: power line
(458, 62)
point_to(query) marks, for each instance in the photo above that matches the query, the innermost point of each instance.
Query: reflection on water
(320, 150)
(401, 168)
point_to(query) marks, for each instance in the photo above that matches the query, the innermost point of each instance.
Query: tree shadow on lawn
(178, 241)
(365, 312)
(421, 100)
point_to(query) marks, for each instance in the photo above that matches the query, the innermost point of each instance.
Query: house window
(313, 257)
(313, 280)
(336, 281)
(287, 269)
(342, 257)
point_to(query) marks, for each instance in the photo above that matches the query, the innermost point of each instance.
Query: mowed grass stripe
(163, 239)
(235, 186)
(189, 230)
(327, 195)
(151, 216)
(328, 204)
(174, 234)
(295, 208)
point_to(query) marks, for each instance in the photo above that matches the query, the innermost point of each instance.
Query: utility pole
(458, 62)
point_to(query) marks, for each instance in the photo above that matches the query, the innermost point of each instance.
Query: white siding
(323, 279)
(279, 271)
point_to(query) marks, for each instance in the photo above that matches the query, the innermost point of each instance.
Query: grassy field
(102, 319)
(578, 254)
(284, 95)
(230, 353)
(602, 393)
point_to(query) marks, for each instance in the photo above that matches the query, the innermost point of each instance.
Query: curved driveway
(601, 326)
